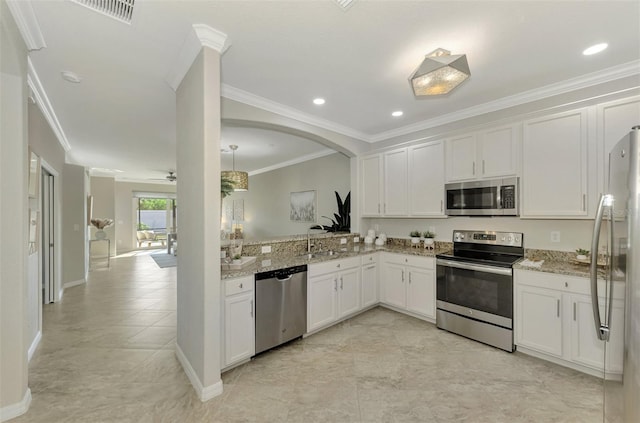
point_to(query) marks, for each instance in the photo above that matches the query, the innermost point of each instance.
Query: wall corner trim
(27, 22)
(204, 393)
(200, 36)
(34, 345)
(14, 410)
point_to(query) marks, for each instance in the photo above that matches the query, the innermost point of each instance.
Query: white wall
(74, 224)
(266, 204)
(14, 392)
(125, 212)
(537, 233)
(198, 188)
(104, 207)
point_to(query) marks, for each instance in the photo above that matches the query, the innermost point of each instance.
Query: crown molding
(200, 36)
(27, 23)
(41, 99)
(312, 156)
(563, 87)
(245, 97)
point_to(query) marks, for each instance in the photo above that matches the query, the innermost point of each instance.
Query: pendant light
(439, 73)
(239, 178)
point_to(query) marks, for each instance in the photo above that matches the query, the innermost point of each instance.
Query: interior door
(48, 237)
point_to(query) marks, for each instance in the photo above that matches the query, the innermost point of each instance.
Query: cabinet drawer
(370, 259)
(407, 260)
(564, 283)
(333, 266)
(238, 285)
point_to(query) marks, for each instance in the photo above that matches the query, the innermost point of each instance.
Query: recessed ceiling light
(397, 113)
(597, 48)
(318, 101)
(71, 77)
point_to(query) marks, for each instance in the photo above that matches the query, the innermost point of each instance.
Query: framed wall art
(303, 206)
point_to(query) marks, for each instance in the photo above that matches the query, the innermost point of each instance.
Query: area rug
(165, 260)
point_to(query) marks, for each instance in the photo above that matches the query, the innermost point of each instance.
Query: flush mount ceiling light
(397, 113)
(595, 49)
(239, 179)
(439, 73)
(318, 101)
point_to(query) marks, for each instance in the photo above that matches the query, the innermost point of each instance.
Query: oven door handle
(476, 267)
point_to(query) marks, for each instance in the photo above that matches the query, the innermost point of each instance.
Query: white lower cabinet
(554, 317)
(409, 283)
(239, 321)
(333, 291)
(369, 280)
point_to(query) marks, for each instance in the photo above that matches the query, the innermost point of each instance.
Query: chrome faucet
(309, 245)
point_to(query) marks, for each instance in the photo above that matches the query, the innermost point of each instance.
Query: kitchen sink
(320, 254)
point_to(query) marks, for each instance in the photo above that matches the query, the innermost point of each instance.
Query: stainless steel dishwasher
(281, 306)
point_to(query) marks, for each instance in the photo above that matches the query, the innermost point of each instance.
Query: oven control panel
(513, 239)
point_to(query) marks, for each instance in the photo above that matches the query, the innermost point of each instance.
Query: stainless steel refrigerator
(617, 229)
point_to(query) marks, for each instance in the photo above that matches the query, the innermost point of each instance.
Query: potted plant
(237, 259)
(428, 238)
(100, 224)
(415, 237)
(582, 254)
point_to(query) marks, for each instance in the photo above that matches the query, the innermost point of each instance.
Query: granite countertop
(558, 262)
(267, 262)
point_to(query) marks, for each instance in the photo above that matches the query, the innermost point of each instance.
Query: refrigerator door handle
(605, 201)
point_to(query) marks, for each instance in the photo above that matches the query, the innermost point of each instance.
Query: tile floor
(107, 356)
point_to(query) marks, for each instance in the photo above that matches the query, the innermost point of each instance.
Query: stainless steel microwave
(495, 197)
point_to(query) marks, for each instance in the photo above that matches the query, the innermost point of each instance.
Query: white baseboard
(74, 283)
(204, 393)
(14, 410)
(34, 345)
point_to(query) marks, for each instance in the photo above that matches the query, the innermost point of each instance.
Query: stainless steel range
(475, 286)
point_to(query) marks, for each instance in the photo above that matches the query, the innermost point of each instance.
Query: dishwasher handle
(284, 279)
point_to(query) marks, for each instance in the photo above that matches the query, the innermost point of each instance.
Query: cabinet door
(393, 287)
(421, 291)
(349, 292)
(239, 327)
(426, 179)
(461, 158)
(586, 348)
(615, 120)
(395, 183)
(538, 319)
(369, 285)
(371, 177)
(554, 169)
(321, 300)
(498, 153)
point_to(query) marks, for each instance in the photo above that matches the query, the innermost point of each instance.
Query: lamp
(239, 178)
(439, 73)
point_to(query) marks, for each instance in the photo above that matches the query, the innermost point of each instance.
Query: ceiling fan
(171, 177)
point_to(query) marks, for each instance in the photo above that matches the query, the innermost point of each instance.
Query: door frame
(57, 230)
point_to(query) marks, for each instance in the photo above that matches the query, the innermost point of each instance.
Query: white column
(198, 199)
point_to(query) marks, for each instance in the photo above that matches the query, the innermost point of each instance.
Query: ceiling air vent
(117, 9)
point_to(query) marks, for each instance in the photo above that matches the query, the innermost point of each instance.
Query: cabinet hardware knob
(558, 308)
(574, 312)
(566, 284)
(240, 286)
(251, 308)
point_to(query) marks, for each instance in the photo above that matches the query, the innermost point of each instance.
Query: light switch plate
(266, 249)
(343, 241)
(555, 236)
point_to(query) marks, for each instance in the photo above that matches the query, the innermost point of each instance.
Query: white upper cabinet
(556, 161)
(395, 183)
(490, 153)
(461, 158)
(426, 179)
(498, 152)
(404, 182)
(615, 120)
(371, 180)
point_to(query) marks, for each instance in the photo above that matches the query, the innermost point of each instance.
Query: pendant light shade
(439, 73)
(239, 179)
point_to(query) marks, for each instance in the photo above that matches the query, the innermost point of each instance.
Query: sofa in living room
(151, 237)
